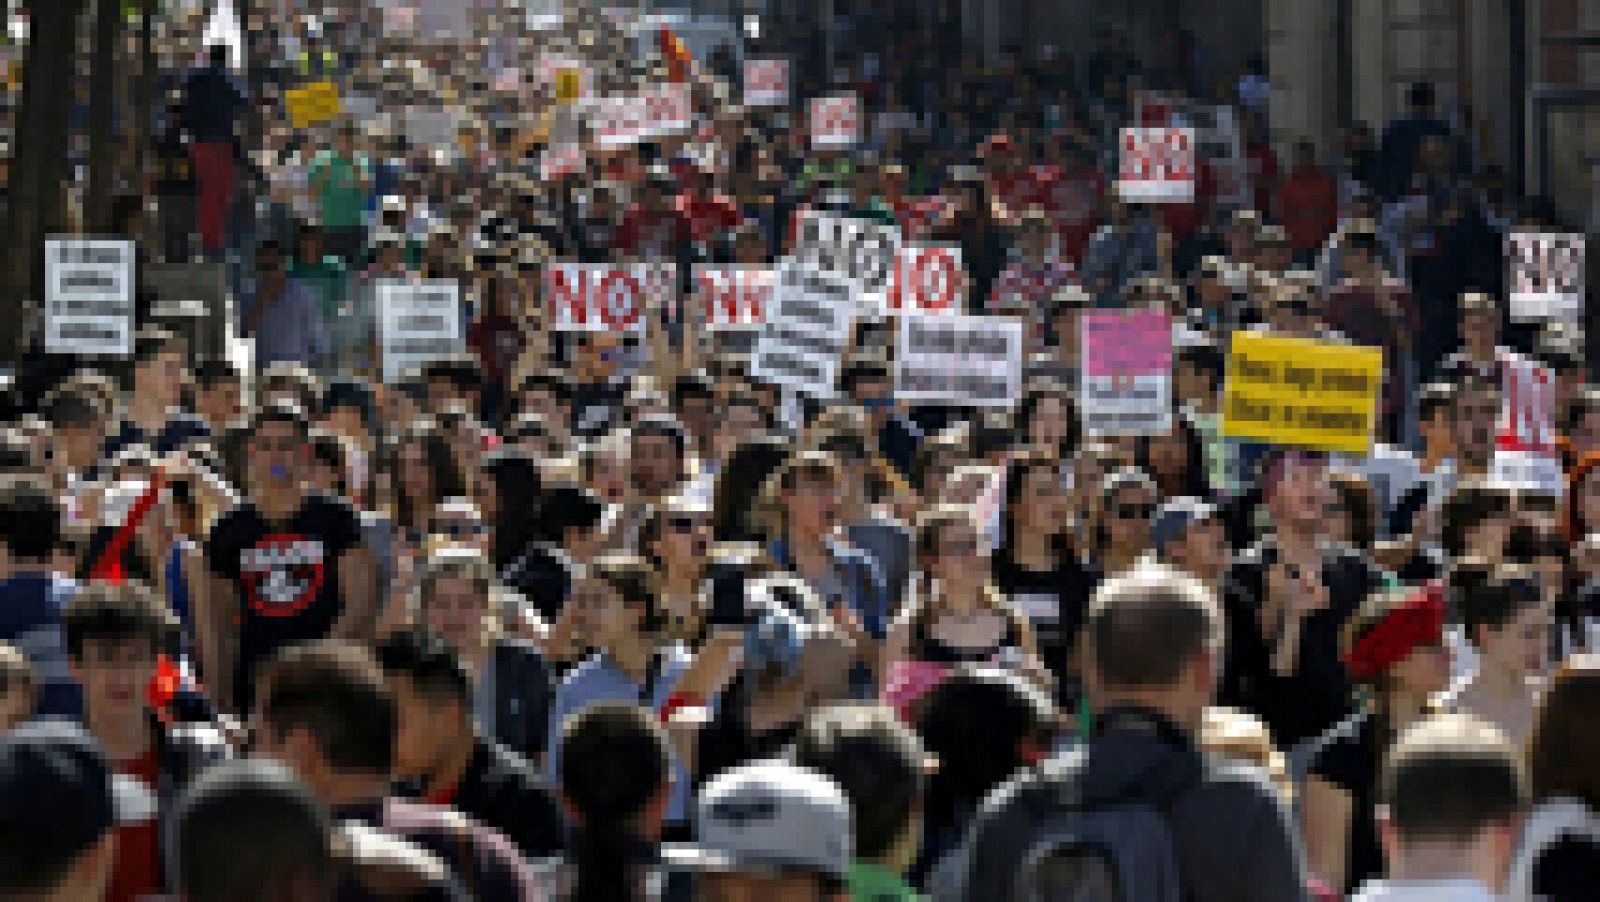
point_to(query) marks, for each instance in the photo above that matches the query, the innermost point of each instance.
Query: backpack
(1550, 823)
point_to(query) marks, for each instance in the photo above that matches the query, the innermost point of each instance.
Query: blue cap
(1177, 515)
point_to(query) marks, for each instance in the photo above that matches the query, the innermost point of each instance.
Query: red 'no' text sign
(1157, 165)
(928, 278)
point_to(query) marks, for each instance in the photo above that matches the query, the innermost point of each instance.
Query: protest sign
(835, 122)
(928, 278)
(88, 296)
(968, 361)
(733, 297)
(860, 250)
(626, 120)
(314, 103)
(561, 160)
(544, 15)
(1217, 140)
(1302, 392)
(598, 297)
(1126, 363)
(1547, 276)
(1156, 165)
(1525, 453)
(766, 82)
(418, 322)
(806, 331)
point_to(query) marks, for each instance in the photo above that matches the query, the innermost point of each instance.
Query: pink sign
(1131, 343)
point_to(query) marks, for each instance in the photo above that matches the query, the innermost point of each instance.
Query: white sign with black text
(806, 331)
(418, 323)
(860, 250)
(88, 296)
(965, 361)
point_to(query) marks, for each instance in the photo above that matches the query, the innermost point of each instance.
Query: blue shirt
(600, 679)
(30, 619)
(292, 330)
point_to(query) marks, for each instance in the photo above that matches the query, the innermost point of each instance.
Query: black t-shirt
(1348, 760)
(286, 573)
(1053, 601)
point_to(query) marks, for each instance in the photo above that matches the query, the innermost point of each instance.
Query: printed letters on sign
(418, 322)
(856, 249)
(88, 296)
(1126, 378)
(928, 279)
(1300, 391)
(1157, 165)
(600, 298)
(967, 361)
(733, 296)
(1547, 276)
(835, 122)
(766, 82)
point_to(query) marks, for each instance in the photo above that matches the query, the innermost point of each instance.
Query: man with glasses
(286, 567)
(282, 314)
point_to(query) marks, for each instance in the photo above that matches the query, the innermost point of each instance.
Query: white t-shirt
(1461, 889)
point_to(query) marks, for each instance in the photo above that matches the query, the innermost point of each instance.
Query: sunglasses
(459, 529)
(1132, 510)
(684, 524)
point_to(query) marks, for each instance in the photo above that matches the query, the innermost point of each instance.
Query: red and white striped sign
(627, 120)
(1157, 165)
(733, 297)
(766, 82)
(835, 121)
(928, 278)
(586, 297)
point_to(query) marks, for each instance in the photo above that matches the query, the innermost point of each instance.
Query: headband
(1418, 622)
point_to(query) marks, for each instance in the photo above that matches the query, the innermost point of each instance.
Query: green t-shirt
(872, 883)
(340, 185)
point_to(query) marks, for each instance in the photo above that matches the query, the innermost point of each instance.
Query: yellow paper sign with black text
(314, 103)
(1302, 392)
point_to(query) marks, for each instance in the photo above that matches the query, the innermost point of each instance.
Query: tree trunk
(36, 204)
(102, 116)
(143, 94)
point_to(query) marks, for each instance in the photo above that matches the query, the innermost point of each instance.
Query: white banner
(733, 297)
(806, 331)
(418, 322)
(835, 122)
(766, 82)
(862, 251)
(627, 120)
(89, 287)
(928, 278)
(1547, 276)
(967, 361)
(599, 297)
(1156, 165)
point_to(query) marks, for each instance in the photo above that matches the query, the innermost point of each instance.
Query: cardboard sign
(766, 82)
(966, 361)
(928, 278)
(597, 297)
(1546, 279)
(1302, 392)
(314, 103)
(806, 331)
(629, 119)
(418, 323)
(88, 296)
(1157, 165)
(561, 161)
(835, 122)
(1525, 453)
(733, 297)
(860, 250)
(1126, 365)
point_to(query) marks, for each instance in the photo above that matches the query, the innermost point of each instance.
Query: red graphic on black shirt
(282, 574)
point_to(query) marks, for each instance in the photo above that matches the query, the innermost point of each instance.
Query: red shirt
(1263, 163)
(644, 232)
(1183, 220)
(1078, 202)
(1308, 207)
(708, 215)
(137, 872)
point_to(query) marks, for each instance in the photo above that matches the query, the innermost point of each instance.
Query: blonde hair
(1240, 735)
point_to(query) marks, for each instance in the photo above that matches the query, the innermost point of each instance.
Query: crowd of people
(606, 616)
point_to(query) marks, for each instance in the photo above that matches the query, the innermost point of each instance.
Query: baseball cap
(58, 794)
(770, 817)
(1177, 515)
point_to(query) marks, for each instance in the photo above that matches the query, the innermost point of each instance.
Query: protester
(34, 592)
(59, 812)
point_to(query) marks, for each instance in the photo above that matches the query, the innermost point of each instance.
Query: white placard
(1525, 454)
(418, 323)
(561, 160)
(766, 82)
(860, 250)
(599, 297)
(1547, 276)
(1156, 165)
(734, 297)
(626, 120)
(806, 331)
(928, 278)
(967, 361)
(835, 122)
(88, 296)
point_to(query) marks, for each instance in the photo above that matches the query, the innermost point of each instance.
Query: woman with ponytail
(614, 789)
(1394, 651)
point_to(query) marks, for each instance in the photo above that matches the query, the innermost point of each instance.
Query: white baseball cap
(767, 817)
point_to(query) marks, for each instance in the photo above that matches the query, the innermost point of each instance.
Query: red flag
(108, 566)
(680, 62)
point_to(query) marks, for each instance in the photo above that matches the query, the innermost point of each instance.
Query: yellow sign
(1303, 392)
(316, 102)
(569, 85)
